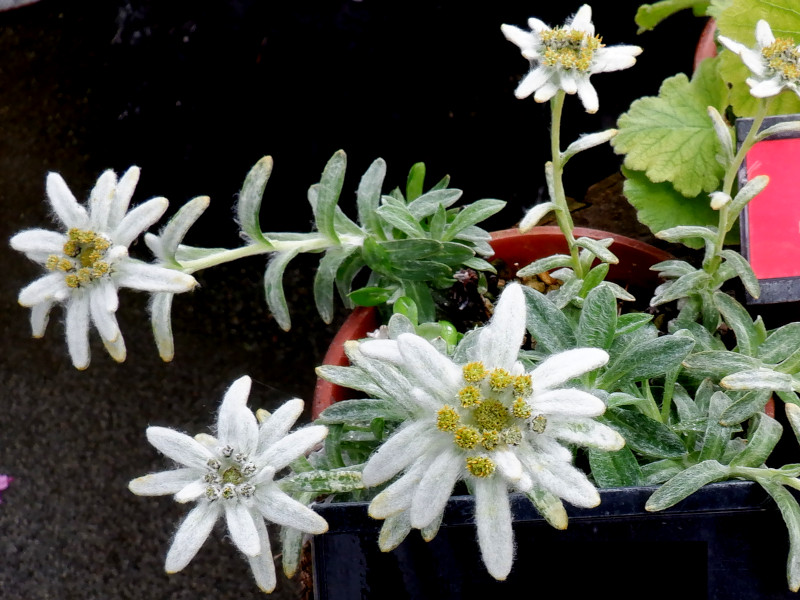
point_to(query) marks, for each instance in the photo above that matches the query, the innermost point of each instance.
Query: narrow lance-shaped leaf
(415, 181)
(649, 359)
(645, 435)
(685, 484)
(744, 271)
(598, 320)
(329, 189)
(739, 320)
(549, 327)
(368, 197)
(248, 206)
(428, 203)
(472, 214)
(325, 277)
(598, 249)
(615, 469)
(790, 511)
(761, 441)
(273, 287)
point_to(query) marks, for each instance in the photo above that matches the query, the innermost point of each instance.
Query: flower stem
(559, 198)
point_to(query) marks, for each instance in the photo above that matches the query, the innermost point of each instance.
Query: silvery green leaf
(454, 254)
(709, 312)
(598, 248)
(790, 470)
(649, 359)
(186, 253)
(793, 416)
(749, 404)
(438, 223)
(347, 272)
(568, 291)
(412, 249)
(344, 225)
(643, 434)
(660, 471)
(479, 264)
(598, 320)
(549, 506)
(401, 218)
(685, 232)
(420, 270)
(617, 399)
(790, 511)
(324, 482)
(427, 203)
(680, 288)
(174, 231)
(724, 135)
(630, 322)
(614, 469)
(594, 278)
(703, 339)
(620, 293)
(248, 205)
(739, 320)
(330, 187)
(761, 440)
(760, 379)
(399, 323)
(472, 215)
(684, 405)
(535, 214)
(553, 261)
(785, 127)
(716, 364)
(628, 340)
(733, 448)
(361, 412)
(350, 377)
(716, 435)
(685, 484)
(586, 141)
(673, 268)
(780, 344)
(546, 323)
(744, 271)
(273, 287)
(368, 197)
(325, 277)
(415, 181)
(376, 256)
(749, 190)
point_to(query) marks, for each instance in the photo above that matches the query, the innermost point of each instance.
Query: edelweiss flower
(565, 57)
(482, 418)
(775, 62)
(233, 474)
(89, 263)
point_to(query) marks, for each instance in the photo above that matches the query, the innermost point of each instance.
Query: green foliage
(650, 15)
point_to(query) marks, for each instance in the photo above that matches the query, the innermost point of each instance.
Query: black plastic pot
(726, 541)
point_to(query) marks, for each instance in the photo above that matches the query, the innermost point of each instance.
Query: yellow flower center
(569, 49)
(83, 258)
(783, 57)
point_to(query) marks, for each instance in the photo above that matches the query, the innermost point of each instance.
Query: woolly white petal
(242, 528)
(559, 478)
(396, 453)
(435, 487)
(191, 491)
(537, 25)
(398, 496)
(566, 365)
(179, 447)
(262, 565)
(278, 507)
(137, 220)
(585, 432)
(116, 348)
(520, 37)
(163, 483)
(102, 317)
(433, 371)
(495, 535)
(39, 244)
(764, 35)
(279, 423)
(567, 401)
(385, 350)
(755, 62)
(293, 445)
(582, 21)
(100, 200)
(764, 89)
(568, 83)
(614, 58)
(40, 315)
(501, 339)
(67, 209)
(394, 530)
(534, 215)
(161, 322)
(588, 96)
(731, 45)
(508, 465)
(236, 424)
(547, 91)
(47, 288)
(77, 326)
(264, 475)
(191, 535)
(151, 278)
(532, 82)
(122, 199)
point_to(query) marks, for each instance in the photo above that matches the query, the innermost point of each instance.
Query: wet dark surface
(195, 93)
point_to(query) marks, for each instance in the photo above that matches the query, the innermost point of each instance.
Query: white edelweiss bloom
(479, 416)
(565, 57)
(774, 62)
(232, 474)
(88, 263)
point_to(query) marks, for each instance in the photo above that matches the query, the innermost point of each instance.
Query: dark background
(195, 93)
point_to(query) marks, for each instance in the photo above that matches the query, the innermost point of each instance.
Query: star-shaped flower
(89, 262)
(774, 62)
(480, 417)
(565, 57)
(233, 474)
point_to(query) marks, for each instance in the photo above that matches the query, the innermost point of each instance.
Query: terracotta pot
(706, 45)
(515, 249)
